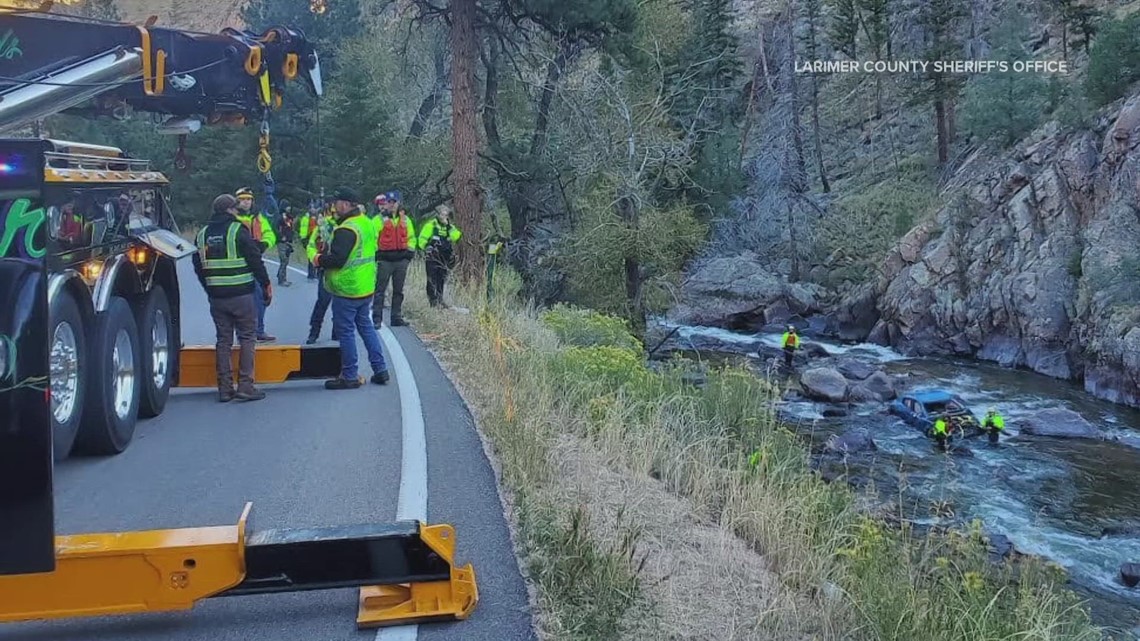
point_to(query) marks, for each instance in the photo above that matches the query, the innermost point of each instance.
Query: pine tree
(811, 9)
(876, 16)
(843, 32)
(939, 88)
(1006, 106)
(1084, 21)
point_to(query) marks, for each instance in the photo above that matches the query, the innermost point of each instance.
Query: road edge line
(413, 499)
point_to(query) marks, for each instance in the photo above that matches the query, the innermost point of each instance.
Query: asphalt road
(305, 457)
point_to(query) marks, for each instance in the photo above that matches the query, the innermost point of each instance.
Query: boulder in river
(1059, 423)
(856, 370)
(881, 386)
(824, 384)
(1130, 574)
(851, 441)
(1000, 547)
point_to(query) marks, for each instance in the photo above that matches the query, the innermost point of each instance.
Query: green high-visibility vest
(229, 270)
(357, 278)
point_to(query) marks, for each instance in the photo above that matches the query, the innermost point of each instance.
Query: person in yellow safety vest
(437, 241)
(319, 238)
(396, 247)
(262, 231)
(941, 434)
(349, 263)
(994, 424)
(228, 264)
(790, 343)
(305, 225)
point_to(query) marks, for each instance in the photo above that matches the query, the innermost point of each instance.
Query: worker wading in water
(941, 434)
(228, 264)
(350, 276)
(994, 425)
(790, 342)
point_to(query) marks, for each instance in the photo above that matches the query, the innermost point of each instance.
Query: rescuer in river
(790, 343)
(229, 266)
(994, 425)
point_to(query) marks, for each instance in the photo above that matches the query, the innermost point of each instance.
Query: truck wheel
(113, 404)
(155, 329)
(68, 362)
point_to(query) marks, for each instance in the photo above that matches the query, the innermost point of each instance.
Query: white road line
(413, 467)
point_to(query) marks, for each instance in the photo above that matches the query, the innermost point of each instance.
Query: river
(1051, 497)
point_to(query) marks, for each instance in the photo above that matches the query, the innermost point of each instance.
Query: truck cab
(102, 223)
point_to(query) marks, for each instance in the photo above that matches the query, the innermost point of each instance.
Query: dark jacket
(285, 231)
(247, 248)
(340, 248)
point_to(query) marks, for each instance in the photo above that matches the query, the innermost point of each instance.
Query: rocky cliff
(1031, 263)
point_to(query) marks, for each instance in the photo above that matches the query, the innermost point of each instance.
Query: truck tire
(68, 363)
(112, 405)
(156, 352)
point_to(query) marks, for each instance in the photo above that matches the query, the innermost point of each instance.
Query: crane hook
(181, 158)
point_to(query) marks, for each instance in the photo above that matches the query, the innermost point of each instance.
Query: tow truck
(90, 332)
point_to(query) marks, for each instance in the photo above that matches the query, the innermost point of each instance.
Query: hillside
(200, 15)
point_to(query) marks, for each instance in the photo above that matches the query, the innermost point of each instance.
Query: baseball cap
(223, 203)
(346, 194)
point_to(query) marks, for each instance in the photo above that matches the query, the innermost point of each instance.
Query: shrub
(862, 227)
(587, 328)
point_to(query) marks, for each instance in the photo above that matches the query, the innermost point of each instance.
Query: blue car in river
(922, 407)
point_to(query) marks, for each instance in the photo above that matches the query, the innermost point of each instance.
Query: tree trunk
(491, 95)
(943, 134)
(627, 211)
(826, 186)
(542, 120)
(465, 140)
(430, 101)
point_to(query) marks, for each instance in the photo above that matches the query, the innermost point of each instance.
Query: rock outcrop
(1028, 265)
(1059, 423)
(739, 292)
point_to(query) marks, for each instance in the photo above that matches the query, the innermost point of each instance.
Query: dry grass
(646, 508)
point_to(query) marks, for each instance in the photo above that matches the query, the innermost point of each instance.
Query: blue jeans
(351, 315)
(259, 302)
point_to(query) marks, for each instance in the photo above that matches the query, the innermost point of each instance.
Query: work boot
(398, 322)
(249, 393)
(266, 338)
(380, 378)
(226, 394)
(314, 335)
(343, 383)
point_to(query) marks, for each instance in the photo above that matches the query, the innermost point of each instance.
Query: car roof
(932, 396)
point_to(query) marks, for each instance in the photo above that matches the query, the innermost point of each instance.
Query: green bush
(593, 254)
(597, 370)
(586, 328)
(1114, 62)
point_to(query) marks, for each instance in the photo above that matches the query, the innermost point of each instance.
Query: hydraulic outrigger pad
(405, 570)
